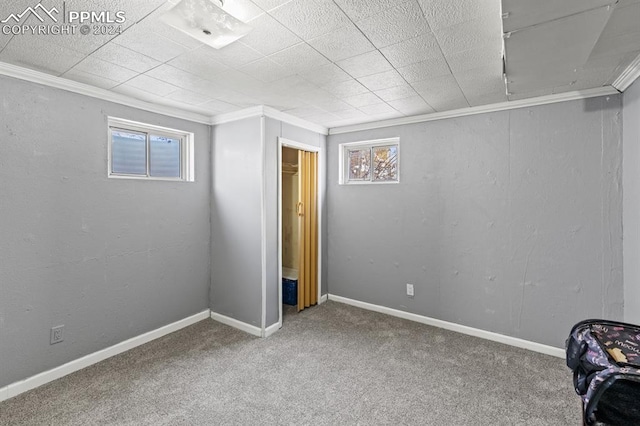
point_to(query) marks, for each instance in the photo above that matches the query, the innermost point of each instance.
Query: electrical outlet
(57, 334)
(410, 290)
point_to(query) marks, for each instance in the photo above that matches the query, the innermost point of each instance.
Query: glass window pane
(385, 163)
(359, 164)
(164, 155)
(128, 153)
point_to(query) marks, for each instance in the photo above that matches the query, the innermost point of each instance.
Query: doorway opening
(299, 227)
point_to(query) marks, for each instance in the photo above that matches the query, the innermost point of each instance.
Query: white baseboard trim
(323, 299)
(40, 379)
(231, 322)
(271, 329)
(488, 335)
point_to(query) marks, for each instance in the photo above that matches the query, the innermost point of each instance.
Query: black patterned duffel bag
(605, 359)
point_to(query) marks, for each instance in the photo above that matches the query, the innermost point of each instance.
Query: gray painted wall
(631, 167)
(108, 258)
(273, 130)
(508, 221)
(236, 221)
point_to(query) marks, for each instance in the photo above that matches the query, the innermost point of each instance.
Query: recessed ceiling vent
(207, 22)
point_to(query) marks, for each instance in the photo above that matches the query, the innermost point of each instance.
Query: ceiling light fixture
(207, 22)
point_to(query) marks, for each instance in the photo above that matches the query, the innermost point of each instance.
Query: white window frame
(343, 159)
(187, 159)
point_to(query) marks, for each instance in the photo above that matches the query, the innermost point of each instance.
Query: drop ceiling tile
(234, 55)
(266, 70)
(217, 107)
(394, 25)
(325, 74)
(270, 4)
(395, 93)
(472, 34)
(382, 80)
(485, 56)
(284, 101)
(157, 47)
(449, 103)
(188, 97)
(239, 81)
(377, 109)
(444, 13)
(342, 43)
(425, 70)
(350, 114)
(176, 77)
(39, 54)
(116, 54)
(523, 14)
(134, 92)
(200, 63)
(175, 35)
(310, 18)
(360, 9)
(481, 81)
(91, 79)
(413, 50)
(330, 104)
(365, 64)
(346, 89)
(102, 68)
(412, 106)
(299, 58)
(486, 98)
(322, 119)
(269, 36)
(305, 111)
(243, 10)
(151, 85)
(363, 100)
(441, 93)
(293, 84)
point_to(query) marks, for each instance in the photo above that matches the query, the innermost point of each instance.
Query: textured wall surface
(631, 180)
(108, 258)
(509, 221)
(236, 221)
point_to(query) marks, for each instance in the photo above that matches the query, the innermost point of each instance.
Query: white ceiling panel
(366, 64)
(244, 10)
(346, 88)
(444, 13)
(188, 97)
(305, 111)
(177, 77)
(39, 54)
(413, 50)
(199, 62)
(363, 100)
(395, 93)
(91, 79)
(124, 57)
(151, 85)
(621, 34)
(394, 25)
(438, 91)
(234, 55)
(157, 47)
(382, 80)
(486, 56)
(270, 4)
(325, 74)
(269, 36)
(412, 106)
(99, 67)
(425, 70)
(293, 84)
(472, 34)
(134, 92)
(266, 70)
(342, 43)
(378, 109)
(299, 58)
(329, 103)
(360, 9)
(524, 13)
(310, 18)
(217, 106)
(174, 34)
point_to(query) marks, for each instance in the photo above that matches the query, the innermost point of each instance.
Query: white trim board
(267, 111)
(38, 77)
(628, 76)
(232, 322)
(502, 106)
(476, 332)
(272, 329)
(40, 379)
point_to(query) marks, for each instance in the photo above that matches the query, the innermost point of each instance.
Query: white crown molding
(628, 76)
(269, 112)
(232, 322)
(488, 335)
(32, 382)
(502, 106)
(38, 77)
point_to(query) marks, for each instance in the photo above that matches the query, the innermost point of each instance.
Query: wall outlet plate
(410, 292)
(57, 334)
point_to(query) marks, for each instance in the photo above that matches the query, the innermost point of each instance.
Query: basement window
(376, 161)
(144, 151)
